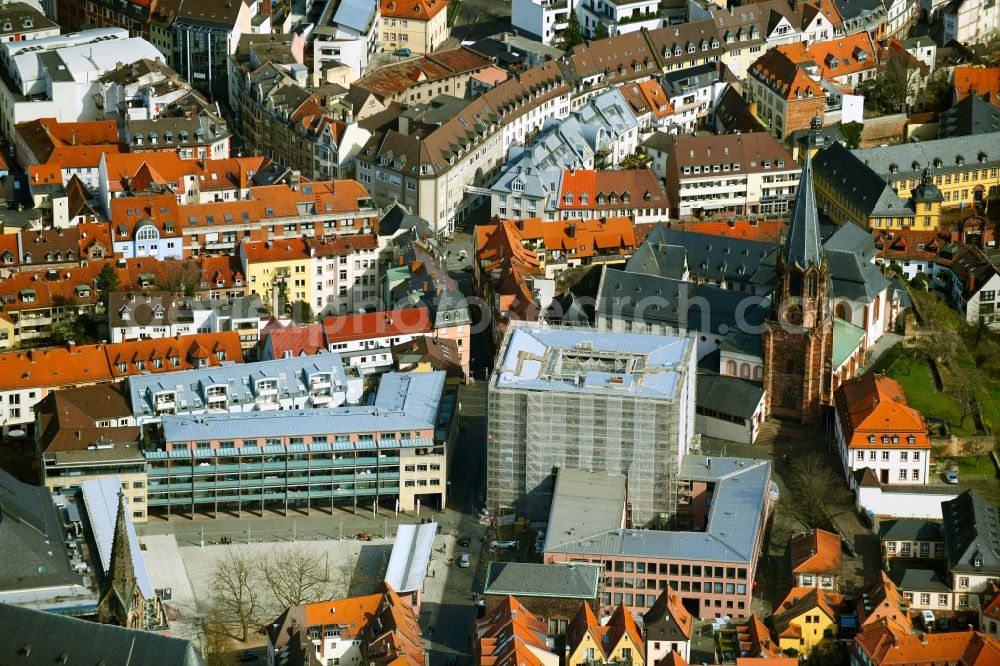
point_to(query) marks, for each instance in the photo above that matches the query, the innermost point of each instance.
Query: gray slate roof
(971, 534)
(36, 638)
(721, 257)
(910, 529)
(942, 154)
(851, 254)
(677, 303)
(523, 579)
(731, 395)
(858, 182)
(969, 117)
(919, 580)
(802, 246)
(32, 541)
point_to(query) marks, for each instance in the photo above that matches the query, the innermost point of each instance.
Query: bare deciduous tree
(818, 492)
(235, 592)
(961, 387)
(181, 278)
(298, 575)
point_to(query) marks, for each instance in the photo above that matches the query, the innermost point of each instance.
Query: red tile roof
(780, 66)
(842, 56)
(399, 77)
(186, 348)
(761, 230)
(879, 600)
(332, 246)
(295, 340)
(54, 367)
(581, 238)
(884, 647)
(873, 406)
(640, 186)
(53, 141)
(510, 636)
(413, 10)
(390, 323)
(289, 249)
(976, 80)
(755, 638)
(42, 289)
(335, 196)
(816, 551)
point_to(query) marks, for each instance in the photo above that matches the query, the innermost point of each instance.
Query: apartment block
(282, 384)
(731, 174)
(391, 449)
(417, 80)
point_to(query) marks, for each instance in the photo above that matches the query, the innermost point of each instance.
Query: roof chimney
(72, 137)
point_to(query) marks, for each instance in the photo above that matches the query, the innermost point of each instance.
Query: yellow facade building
(806, 617)
(588, 642)
(277, 266)
(418, 25)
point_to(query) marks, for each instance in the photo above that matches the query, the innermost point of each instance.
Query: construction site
(621, 404)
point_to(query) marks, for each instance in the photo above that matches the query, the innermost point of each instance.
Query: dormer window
(568, 199)
(221, 355)
(517, 186)
(175, 361)
(140, 365)
(157, 363)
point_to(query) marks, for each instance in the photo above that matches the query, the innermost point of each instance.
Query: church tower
(798, 342)
(121, 600)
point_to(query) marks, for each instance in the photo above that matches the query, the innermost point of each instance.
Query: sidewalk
(883, 345)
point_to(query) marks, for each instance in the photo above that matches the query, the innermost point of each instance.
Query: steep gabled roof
(817, 552)
(668, 619)
(972, 535)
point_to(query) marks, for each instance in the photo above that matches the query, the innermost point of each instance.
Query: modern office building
(619, 403)
(392, 449)
(710, 562)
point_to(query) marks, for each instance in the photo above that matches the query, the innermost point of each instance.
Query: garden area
(950, 370)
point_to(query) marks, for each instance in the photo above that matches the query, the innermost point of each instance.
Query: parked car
(464, 542)
(249, 657)
(404, 52)
(928, 618)
(465, 560)
(504, 544)
(775, 493)
(951, 476)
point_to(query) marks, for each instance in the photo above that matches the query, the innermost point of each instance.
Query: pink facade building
(722, 507)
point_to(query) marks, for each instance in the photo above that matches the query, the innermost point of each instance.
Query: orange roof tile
(45, 174)
(976, 80)
(352, 614)
(816, 551)
(42, 289)
(54, 367)
(767, 661)
(262, 252)
(991, 601)
(780, 66)
(388, 323)
(414, 10)
(336, 196)
(669, 603)
(762, 230)
(186, 348)
(295, 340)
(581, 238)
(69, 143)
(332, 246)
(872, 406)
(842, 56)
(884, 646)
(510, 635)
(162, 211)
(880, 600)
(755, 638)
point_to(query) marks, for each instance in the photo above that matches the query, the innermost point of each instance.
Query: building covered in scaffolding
(618, 403)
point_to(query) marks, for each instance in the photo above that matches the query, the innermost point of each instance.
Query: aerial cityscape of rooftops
(666, 331)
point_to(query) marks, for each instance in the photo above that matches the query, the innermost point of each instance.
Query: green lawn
(918, 385)
(978, 473)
